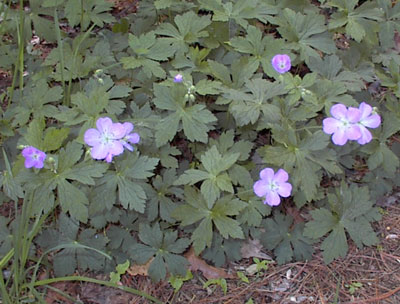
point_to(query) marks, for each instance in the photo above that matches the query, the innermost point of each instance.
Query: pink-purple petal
(272, 198)
(92, 137)
(285, 189)
(133, 138)
(339, 137)
(104, 124)
(281, 176)
(330, 125)
(267, 174)
(99, 151)
(339, 111)
(365, 110)
(353, 115)
(260, 188)
(366, 136)
(373, 121)
(353, 132)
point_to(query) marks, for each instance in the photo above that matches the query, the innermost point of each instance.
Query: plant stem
(91, 280)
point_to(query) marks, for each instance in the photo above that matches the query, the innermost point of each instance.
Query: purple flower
(178, 78)
(281, 63)
(343, 125)
(129, 137)
(369, 120)
(33, 157)
(106, 139)
(272, 186)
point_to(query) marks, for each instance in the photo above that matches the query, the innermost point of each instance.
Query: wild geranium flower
(178, 78)
(106, 139)
(281, 63)
(129, 137)
(33, 157)
(343, 125)
(367, 119)
(272, 186)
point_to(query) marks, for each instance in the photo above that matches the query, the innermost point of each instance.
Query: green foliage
(121, 269)
(358, 21)
(220, 282)
(214, 177)
(196, 209)
(351, 211)
(306, 33)
(67, 235)
(203, 141)
(286, 239)
(195, 120)
(163, 248)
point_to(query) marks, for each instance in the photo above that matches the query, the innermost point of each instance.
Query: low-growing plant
(185, 124)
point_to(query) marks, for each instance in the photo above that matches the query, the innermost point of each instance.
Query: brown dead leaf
(209, 272)
(135, 269)
(252, 248)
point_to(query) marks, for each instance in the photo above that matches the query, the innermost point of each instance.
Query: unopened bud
(192, 97)
(20, 147)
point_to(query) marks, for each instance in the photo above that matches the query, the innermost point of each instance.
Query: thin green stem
(4, 294)
(91, 280)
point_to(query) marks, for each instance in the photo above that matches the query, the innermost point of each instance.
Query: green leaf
(73, 200)
(240, 11)
(161, 246)
(349, 210)
(249, 104)
(54, 138)
(196, 209)
(287, 241)
(214, 180)
(306, 33)
(196, 120)
(189, 29)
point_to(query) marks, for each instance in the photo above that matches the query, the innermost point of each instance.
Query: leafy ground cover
(226, 151)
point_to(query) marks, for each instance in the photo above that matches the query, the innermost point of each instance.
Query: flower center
(273, 186)
(282, 65)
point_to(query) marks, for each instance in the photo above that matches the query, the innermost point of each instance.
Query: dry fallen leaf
(135, 269)
(209, 272)
(252, 248)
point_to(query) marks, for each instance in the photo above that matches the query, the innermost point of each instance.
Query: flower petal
(339, 137)
(285, 189)
(115, 147)
(99, 151)
(272, 198)
(353, 132)
(117, 130)
(353, 115)
(267, 174)
(330, 125)
(133, 138)
(281, 176)
(373, 121)
(92, 137)
(29, 162)
(104, 124)
(339, 111)
(38, 164)
(366, 136)
(260, 188)
(365, 110)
